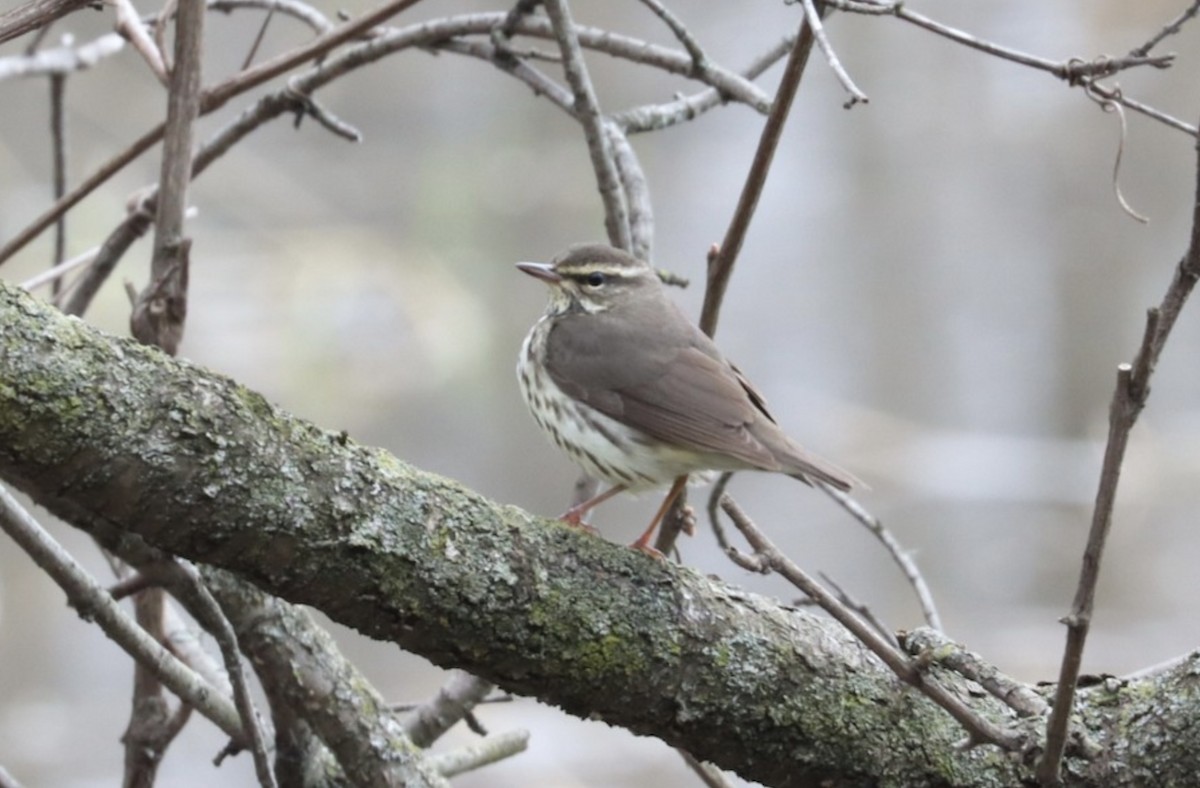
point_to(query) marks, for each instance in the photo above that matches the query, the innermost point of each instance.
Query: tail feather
(802, 465)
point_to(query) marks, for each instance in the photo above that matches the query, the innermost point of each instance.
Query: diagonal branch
(721, 268)
(1132, 391)
(36, 14)
(200, 467)
(95, 603)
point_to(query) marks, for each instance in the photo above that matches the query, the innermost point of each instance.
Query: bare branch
(92, 602)
(454, 700)
(129, 24)
(1170, 29)
(710, 775)
(1114, 94)
(58, 138)
(62, 60)
(308, 679)
(814, 21)
(36, 14)
(293, 8)
(899, 555)
(380, 46)
(1129, 397)
(184, 582)
(475, 756)
(161, 308)
(56, 273)
(940, 649)
(767, 557)
(721, 268)
(680, 32)
(1074, 71)
(587, 110)
(652, 117)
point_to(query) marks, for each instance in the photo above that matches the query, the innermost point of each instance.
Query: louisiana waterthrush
(635, 393)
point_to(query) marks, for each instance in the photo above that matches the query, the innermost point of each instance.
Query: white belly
(602, 446)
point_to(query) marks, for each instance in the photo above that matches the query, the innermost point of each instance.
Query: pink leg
(643, 541)
(574, 515)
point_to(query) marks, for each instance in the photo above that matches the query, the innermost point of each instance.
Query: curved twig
(899, 555)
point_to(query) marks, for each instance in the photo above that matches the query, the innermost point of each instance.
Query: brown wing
(671, 384)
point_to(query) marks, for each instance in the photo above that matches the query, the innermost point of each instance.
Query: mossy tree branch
(109, 434)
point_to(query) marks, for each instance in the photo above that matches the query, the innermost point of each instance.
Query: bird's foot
(649, 550)
(574, 518)
(642, 545)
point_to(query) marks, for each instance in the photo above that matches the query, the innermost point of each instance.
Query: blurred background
(935, 294)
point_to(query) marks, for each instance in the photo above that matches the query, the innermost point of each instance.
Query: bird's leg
(643, 542)
(574, 515)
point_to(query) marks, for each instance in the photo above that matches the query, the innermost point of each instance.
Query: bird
(636, 394)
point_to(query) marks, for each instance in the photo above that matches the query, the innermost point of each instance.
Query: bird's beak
(543, 271)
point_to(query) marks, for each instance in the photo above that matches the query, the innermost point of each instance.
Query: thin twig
(899, 555)
(1073, 71)
(680, 31)
(814, 22)
(186, 585)
(304, 12)
(714, 504)
(58, 141)
(652, 117)
(481, 753)
(936, 647)
(1170, 29)
(636, 190)
(106, 171)
(129, 24)
(587, 110)
(631, 177)
(1132, 391)
(35, 14)
(722, 267)
(1114, 94)
(93, 603)
(62, 60)
(56, 273)
(767, 557)
(258, 39)
(859, 608)
(424, 34)
(710, 775)
(720, 264)
(460, 693)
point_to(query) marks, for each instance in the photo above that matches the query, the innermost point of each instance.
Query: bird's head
(593, 278)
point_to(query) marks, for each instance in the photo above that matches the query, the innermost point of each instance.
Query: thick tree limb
(109, 434)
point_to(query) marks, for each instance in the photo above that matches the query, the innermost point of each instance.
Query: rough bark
(106, 433)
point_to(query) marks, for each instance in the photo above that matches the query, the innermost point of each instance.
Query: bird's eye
(595, 279)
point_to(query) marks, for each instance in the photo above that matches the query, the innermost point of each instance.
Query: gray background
(935, 294)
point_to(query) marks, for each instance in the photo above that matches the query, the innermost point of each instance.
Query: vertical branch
(157, 319)
(161, 308)
(636, 190)
(587, 109)
(150, 729)
(1132, 391)
(58, 138)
